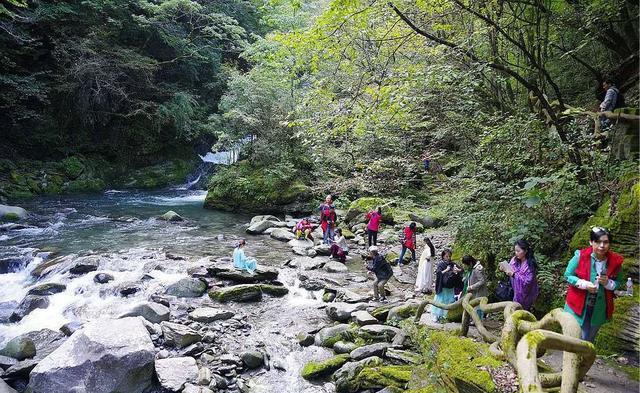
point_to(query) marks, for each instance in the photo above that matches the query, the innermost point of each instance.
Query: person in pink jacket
(408, 242)
(374, 217)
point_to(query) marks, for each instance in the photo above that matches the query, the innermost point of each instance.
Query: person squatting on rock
(523, 275)
(373, 226)
(424, 276)
(448, 276)
(593, 275)
(240, 260)
(378, 266)
(339, 248)
(474, 279)
(408, 242)
(303, 229)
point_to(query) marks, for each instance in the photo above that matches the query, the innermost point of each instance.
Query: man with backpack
(612, 100)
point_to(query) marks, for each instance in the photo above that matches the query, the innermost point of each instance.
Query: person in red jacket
(374, 217)
(593, 274)
(408, 242)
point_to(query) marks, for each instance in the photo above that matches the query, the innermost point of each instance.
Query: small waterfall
(198, 179)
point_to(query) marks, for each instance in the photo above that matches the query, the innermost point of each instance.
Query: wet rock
(328, 336)
(102, 278)
(72, 368)
(6, 362)
(379, 332)
(71, 327)
(274, 290)
(8, 265)
(344, 347)
(341, 312)
(171, 216)
(46, 341)
(204, 376)
(345, 377)
(302, 244)
(312, 284)
(316, 370)
(363, 318)
(307, 263)
(174, 373)
(237, 293)
(179, 336)
(20, 369)
(209, 314)
(305, 340)
(4, 388)
(282, 234)
(6, 309)
(27, 305)
(322, 249)
(47, 289)
(85, 265)
(187, 287)
(267, 217)
(347, 296)
(260, 226)
(128, 288)
(252, 359)
(152, 312)
(191, 388)
(228, 273)
(402, 357)
(48, 266)
(335, 267)
(19, 348)
(377, 349)
(12, 213)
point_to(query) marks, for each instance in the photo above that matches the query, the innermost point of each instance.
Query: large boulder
(46, 341)
(363, 318)
(84, 265)
(237, 293)
(335, 267)
(267, 217)
(315, 370)
(301, 244)
(179, 336)
(152, 312)
(259, 227)
(27, 305)
(377, 349)
(47, 289)
(12, 213)
(187, 287)
(252, 359)
(307, 263)
(105, 356)
(225, 271)
(210, 314)
(330, 335)
(174, 373)
(19, 348)
(282, 234)
(378, 332)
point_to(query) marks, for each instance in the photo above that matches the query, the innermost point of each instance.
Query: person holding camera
(593, 274)
(448, 276)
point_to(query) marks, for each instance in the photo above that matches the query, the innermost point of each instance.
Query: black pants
(373, 235)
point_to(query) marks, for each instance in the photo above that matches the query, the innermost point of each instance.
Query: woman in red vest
(593, 274)
(408, 242)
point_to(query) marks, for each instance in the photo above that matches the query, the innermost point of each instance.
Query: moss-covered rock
(255, 189)
(622, 221)
(621, 333)
(237, 293)
(454, 315)
(11, 217)
(72, 167)
(85, 186)
(403, 311)
(161, 175)
(274, 290)
(454, 359)
(384, 376)
(316, 370)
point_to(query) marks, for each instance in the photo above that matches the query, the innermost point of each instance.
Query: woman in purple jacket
(523, 277)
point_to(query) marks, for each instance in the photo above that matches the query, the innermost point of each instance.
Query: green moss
(384, 376)
(317, 370)
(455, 315)
(274, 290)
(381, 313)
(456, 358)
(160, 175)
(255, 189)
(11, 217)
(608, 341)
(402, 312)
(72, 167)
(85, 185)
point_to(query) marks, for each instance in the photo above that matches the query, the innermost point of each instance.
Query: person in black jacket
(448, 276)
(382, 270)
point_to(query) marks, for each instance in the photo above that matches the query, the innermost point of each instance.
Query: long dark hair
(531, 259)
(430, 245)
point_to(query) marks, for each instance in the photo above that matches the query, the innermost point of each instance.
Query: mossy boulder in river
(256, 189)
(316, 370)
(12, 213)
(246, 292)
(383, 376)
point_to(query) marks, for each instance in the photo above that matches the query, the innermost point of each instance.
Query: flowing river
(123, 228)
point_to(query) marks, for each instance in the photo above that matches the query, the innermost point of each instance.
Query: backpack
(504, 291)
(620, 102)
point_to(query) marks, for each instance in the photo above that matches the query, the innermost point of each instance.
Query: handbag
(504, 291)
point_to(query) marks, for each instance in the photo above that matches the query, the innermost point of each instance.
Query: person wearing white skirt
(424, 277)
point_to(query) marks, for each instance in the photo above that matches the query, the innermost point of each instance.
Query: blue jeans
(328, 235)
(404, 249)
(589, 332)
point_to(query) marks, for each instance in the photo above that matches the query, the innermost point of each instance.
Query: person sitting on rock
(382, 270)
(303, 229)
(339, 248)
(240, 260)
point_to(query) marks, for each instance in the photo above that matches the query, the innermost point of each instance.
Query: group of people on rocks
(593, 274)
